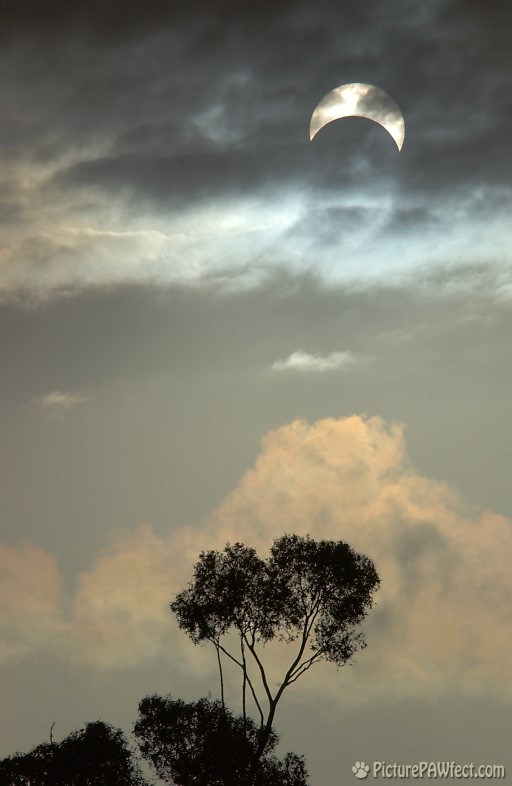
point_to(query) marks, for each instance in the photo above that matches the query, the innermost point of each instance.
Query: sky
(214, 329)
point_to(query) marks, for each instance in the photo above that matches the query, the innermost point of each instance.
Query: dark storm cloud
(180, 179)
(169, 104)
(118, 21)
(408, 220)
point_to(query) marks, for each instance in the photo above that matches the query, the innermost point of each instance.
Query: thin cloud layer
(58, 402)
(303, 361)
(442, 619)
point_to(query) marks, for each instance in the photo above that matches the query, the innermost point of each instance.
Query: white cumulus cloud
(302, 361)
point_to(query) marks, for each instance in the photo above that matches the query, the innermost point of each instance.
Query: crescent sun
(359, 100)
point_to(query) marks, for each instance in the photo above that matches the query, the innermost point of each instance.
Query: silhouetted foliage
(203, 744)
(312, 593)
(97, 755)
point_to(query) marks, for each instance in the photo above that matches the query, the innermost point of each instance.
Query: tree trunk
(265, 736)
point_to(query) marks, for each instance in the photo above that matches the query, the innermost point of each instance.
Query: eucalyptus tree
(311, 594)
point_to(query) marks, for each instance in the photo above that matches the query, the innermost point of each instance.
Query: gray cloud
(151, 128)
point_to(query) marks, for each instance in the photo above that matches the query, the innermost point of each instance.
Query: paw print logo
(360, 769)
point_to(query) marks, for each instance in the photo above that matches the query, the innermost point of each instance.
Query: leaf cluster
(319, 588)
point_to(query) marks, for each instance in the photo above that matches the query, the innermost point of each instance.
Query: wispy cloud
(58, 403)
(302, 361)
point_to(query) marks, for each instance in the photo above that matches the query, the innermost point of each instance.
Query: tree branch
(244, 679)
(249, 682)
(252, 650)
(305, 665)
(217, 649)
(226, 652)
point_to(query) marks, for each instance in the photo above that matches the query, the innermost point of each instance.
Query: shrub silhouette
(97, 755)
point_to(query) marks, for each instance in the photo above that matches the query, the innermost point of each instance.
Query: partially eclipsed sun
(359, 100)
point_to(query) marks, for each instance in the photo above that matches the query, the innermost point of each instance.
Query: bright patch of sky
(354, 236)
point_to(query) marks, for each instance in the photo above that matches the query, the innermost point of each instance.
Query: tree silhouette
(309, 594)
(203, 744)
(312, 594)
(97, 755)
